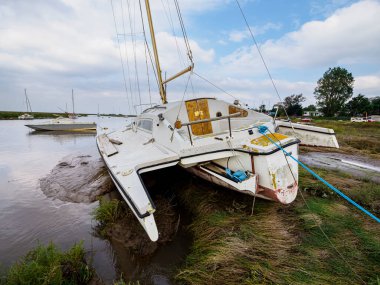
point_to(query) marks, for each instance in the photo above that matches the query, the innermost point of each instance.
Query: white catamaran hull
(151, 143)
(309, 135)
(211, 138)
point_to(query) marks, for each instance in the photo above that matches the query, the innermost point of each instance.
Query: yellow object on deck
(264, 141)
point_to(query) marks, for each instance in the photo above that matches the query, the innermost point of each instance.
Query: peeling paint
(273, 175)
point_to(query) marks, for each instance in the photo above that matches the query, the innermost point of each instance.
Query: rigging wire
(180, 55)
(170, 20)
(188, 44)
(180, 105)
(189, 53)
(146, 58)
(217, 87)
(133, 40)
(147, 46)
(262, 59)
(121, 57)
(126, 50)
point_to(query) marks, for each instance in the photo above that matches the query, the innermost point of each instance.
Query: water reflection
(28, 217)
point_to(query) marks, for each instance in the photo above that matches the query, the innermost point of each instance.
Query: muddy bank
(137, 258)
(79, 179)
(128, 233)
(357, 166)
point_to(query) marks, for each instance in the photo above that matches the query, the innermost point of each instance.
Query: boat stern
(277, 172)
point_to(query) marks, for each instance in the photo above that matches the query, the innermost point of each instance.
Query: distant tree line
(334, 97)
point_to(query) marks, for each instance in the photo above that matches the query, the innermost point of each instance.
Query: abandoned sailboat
(216, 140)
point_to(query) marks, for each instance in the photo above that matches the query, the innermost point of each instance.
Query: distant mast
(72, 98)
(26, 101)
(28, 106)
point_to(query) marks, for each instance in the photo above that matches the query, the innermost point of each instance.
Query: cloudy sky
(96, 47)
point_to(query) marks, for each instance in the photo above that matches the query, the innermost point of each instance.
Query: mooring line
(264, 129)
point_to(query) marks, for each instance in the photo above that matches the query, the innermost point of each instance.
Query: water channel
(29, 218)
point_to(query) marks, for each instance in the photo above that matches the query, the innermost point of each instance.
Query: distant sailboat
(27, 116)
(64, 124)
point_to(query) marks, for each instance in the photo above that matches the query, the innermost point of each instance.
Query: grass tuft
(108, 212)
(49, 265)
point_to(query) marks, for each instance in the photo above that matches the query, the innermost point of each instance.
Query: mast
(72, 98)
(153, 38)
(26, 101)
(28, 106)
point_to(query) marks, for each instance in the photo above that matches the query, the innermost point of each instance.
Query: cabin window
(218, 114)
(146, 125)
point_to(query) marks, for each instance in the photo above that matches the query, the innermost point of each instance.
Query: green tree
(293, 105)
(375, 105)
(333, 90)
(310, 108)
(358, 105)
(262, 108)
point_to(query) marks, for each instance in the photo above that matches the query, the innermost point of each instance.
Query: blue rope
(264, 129)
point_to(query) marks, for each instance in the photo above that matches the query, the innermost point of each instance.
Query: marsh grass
(49, 265)
(354, 138)
(282, 244)
(108, 212)
(362, 190)
(8, 115)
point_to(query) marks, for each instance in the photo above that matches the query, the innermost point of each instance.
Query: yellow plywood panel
(264, 141)
(198, 110)
(204, 114)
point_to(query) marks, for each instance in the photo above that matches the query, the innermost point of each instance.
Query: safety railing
(211, 120)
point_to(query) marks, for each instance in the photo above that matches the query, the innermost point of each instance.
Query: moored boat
(63, 124)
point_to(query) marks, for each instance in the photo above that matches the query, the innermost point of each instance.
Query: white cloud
(350, 36)
(367, 85)
(52, 46)
(238, 36)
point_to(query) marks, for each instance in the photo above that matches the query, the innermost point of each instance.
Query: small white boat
(63, 124)
(211, 138)
(26, 116)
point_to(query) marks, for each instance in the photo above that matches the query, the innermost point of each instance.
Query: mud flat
(79, 179)
(357, 166)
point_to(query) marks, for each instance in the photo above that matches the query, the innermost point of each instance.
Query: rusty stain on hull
(273, 175)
